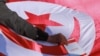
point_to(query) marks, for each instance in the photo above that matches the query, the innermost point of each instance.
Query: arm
(10, 19)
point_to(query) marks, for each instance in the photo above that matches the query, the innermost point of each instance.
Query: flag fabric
(55, 19)
(90, 7)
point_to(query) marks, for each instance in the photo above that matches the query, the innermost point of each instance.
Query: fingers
(58, 38)
(63, 39)
(64, 42)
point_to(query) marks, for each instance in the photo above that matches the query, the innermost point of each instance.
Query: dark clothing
(10, 19)
(3, 1)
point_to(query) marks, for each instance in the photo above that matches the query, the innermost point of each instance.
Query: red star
(41, 21)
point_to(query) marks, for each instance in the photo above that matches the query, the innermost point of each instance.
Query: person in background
(11, 20)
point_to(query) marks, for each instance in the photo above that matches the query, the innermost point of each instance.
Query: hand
(58, 38)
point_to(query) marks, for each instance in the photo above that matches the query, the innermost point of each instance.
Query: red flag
(90, 7)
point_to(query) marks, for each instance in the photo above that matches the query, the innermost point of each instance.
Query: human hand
(58, 38)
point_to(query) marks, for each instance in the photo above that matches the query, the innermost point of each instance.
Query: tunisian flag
(53, 19)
